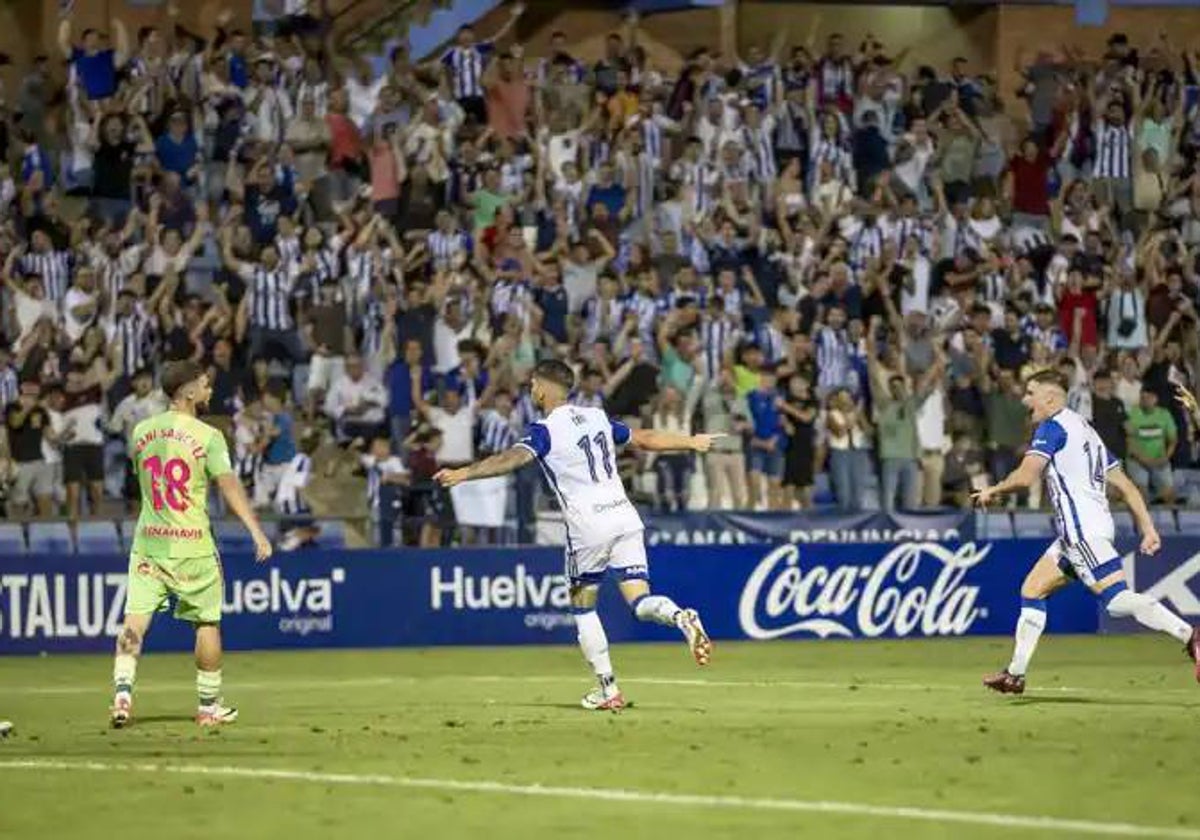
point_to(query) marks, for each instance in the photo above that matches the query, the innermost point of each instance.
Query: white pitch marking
(368, 682)
(745, 803)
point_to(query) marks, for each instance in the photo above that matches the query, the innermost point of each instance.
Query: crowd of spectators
(847, 266)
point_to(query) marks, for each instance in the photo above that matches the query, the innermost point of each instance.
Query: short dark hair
(178, 374)
(1050, 377)
(552, 370)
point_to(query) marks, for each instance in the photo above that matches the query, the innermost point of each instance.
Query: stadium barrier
(313, 599)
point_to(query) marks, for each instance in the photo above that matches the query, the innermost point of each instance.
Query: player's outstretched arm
(235, 497)
(1027, 473)
(501, 463)
(1151, 542)
(656, 440)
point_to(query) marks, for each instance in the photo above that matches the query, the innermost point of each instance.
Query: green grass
(1107, 733)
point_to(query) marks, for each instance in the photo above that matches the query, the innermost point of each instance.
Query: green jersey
(174, 456)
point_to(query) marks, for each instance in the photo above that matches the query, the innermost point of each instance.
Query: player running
(174, 457)
(1068, 452)
(6, 728)
(576, 449)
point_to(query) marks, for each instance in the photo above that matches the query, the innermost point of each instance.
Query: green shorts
(196, 583)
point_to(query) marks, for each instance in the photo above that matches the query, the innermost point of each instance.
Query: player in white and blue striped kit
(1068, 453)
(576, 447)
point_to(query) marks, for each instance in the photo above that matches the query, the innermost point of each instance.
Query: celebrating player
(576, 448)
(174, 456)
(1068, 452)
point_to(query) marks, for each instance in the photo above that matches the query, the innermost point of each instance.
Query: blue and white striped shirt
(833, 358)
(1114, 151)
(466, 66)
(10, 387)
(54, 267)
(718, 338)
(134, 333)
(270, 297)
(772, 342)
(445, 246)
(496, 432)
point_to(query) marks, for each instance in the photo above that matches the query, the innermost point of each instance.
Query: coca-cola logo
(782, 598)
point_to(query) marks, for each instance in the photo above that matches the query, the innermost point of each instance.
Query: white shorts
(1089, 561)
(624, 554)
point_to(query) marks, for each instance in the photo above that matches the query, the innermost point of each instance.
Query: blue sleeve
(536, 440)
(620, 432)
(1048, 438)
(1110, 460)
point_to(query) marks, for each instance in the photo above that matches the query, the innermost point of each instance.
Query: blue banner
(1172, 576)
(517, 596)
(734, 528)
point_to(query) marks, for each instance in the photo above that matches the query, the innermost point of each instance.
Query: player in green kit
(175, 456)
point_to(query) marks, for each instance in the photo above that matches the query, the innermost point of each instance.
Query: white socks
(124, 672)
(1029, 631)
(594, 643)
(1147, 612)
(208, 687)
(657, 608)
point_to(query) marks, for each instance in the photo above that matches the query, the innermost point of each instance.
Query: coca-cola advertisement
(793, 590)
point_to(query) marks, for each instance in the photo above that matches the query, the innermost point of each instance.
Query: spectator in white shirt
(357, 401)
(80, 304)
(144, 401)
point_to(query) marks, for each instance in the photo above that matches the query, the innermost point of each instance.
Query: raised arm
(656, 440)
(121, 52)
(502, 463)
(64, 37)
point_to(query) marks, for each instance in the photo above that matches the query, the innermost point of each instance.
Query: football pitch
(782, 739)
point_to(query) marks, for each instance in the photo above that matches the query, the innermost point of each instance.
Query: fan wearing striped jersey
(576, 448)
(1077, 468)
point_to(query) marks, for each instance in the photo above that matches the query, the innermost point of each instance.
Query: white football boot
(688, 621)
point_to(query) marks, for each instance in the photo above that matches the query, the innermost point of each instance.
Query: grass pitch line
(853, 809)
(156, 686)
